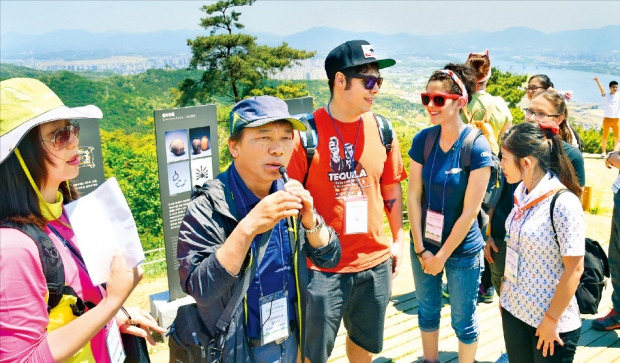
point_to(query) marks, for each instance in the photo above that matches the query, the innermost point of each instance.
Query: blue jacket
(209, 220)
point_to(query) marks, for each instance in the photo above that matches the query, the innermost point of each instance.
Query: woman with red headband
(443, 202)
(540, 315)
(549, 106)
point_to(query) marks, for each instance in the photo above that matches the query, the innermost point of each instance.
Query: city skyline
(287, 17)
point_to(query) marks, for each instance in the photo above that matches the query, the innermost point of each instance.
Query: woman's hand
(141, 323)
(123, 279)
(432, 264)
(487, 249)
(547, 334)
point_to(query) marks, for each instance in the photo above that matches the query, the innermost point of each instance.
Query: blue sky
(284, 17)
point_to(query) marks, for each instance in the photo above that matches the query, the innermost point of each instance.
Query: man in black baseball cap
(353, 53)
(353, 200)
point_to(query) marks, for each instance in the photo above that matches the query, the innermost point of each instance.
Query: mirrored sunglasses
(370, 81)
(439, 99)
(62, 136)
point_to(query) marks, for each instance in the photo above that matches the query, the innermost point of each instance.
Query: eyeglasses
(529, 113)
(533, 88)
(62, 136)
(439, 99)
(370, 80)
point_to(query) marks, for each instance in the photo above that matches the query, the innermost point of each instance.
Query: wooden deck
(402, 336)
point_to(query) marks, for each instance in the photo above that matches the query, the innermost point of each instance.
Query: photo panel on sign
(202, 170)
(179, 180)
(200, 142)
(176, 145)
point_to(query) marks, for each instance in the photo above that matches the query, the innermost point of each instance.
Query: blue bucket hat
(259, 111)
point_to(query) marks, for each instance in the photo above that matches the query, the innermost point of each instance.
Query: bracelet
(128, 316)
(419, 254)
(319, 224)
(550, 317)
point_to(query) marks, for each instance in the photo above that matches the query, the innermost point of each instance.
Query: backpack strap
(53, 268)
(551, 207)
(468, 144)
(386, 131)
(309, 140)
(429, 142)
(310, 137)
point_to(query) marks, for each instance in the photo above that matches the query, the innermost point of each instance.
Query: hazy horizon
(286, 17)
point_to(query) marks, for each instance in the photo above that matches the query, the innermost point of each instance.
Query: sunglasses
(62, 136)
(439, 99)
(370, 80)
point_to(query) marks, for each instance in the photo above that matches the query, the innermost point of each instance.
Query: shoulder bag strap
(242, 287)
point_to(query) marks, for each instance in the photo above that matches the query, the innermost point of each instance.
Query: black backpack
(496, 181)
(595, 269)
(310, 137)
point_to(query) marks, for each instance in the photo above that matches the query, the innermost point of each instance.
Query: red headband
(549, 125)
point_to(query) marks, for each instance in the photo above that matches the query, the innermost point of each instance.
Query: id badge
(114, 344)
(274, 317)
(356, 214)
(511, 271)
(434, 227)
(616, 186)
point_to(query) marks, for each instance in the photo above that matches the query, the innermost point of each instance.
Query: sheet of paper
(102, 223)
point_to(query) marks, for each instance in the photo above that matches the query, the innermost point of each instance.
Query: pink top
(23, 310)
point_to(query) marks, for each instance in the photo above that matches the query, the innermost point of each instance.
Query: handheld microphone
(289, 220)
(282, 171)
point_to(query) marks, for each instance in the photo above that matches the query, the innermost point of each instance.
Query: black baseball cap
(353, 53)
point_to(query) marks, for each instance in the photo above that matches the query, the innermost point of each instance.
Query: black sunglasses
(370, 80)
(439, 99)
(63, 135)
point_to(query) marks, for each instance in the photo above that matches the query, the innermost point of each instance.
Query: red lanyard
(520, 210)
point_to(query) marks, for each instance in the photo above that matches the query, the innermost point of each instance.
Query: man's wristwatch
(319, 224)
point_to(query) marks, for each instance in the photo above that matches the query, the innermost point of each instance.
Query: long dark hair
(466, 73)
(528, 139)
(18, 200)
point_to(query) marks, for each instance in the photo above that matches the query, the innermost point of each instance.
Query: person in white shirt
(540, 314)
(611, 118)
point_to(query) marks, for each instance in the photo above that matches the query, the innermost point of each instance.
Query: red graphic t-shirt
(334, 175)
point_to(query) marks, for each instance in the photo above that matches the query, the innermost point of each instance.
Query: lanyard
(450, 171)
(75, 253)
(241, 206)
(346, 156)
(519, 210)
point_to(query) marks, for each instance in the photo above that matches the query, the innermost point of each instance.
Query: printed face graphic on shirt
(347, 174)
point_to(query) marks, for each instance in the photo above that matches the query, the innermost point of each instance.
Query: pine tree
(234, 64)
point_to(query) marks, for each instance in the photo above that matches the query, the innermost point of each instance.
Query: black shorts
(359, 298)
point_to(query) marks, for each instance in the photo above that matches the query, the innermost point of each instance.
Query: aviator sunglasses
(439, 99)
(370, 80)
(63, 135)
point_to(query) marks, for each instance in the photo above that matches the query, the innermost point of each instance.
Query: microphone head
(282, 170)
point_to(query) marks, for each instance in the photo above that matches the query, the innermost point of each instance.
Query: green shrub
(592, 140)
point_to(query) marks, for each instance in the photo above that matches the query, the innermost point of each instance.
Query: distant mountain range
(602, 43)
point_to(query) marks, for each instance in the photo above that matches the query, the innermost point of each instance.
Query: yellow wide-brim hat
(26, 103)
